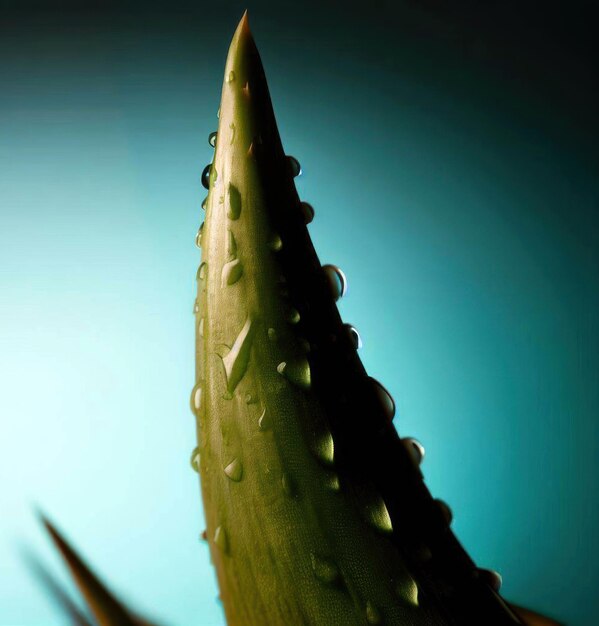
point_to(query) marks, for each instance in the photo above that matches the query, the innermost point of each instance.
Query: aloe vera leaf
(315, 511)
(103, 605)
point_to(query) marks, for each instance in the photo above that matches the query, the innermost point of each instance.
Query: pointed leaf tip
(103, 605)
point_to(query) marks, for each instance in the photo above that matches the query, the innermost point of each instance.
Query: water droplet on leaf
(294, 166)
(324, 569)
(232, 272)
(212, 139)
(195, 460)
(354, 336)
(336, 281)
(296, 371)
(385, 399)
(234, 470)
(307, 212)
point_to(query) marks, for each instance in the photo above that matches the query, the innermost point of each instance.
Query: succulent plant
(316, 510)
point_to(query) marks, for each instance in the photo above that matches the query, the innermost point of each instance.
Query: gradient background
(451, 156)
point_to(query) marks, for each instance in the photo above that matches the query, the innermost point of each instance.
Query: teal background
(451, 157)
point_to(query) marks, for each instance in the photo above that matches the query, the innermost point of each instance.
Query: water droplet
(201, 273)
(213, 175)
(378, 515)
(221, 540)
(196, 307)
(331, 482)
(233, 202)
(296, 371)
(231, 244)
(204, 203)
(385, 399)
(324, 569)
(231, 76)
(236, 361)
(234, 470)
(415, 449)
(250, 398)
(445, 510)
(199, 235)
(407, 590)
(201, 327)
(264, 421)
(232, 129)
(218, 113)
(294, 166)
(323, 447)
(212, 139)
(491, 578)
(373, 615)
(232, 272)
(195, 460)
(293, 316)
(307, 211)
(196, 399)
(336, 280)
(272, 334)
(275, 243)
(206, 173)
(354, 336)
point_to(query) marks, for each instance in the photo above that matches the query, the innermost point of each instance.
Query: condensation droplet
(293, 316)
(195, 460)
(237, 359)
(415, 449)
(324, 569)
(212, 139)
(323, 447)
(445, 510)
(307, 212)
(373, 615)
(331, 482)
(378, 515)
(218, 113)
(275, 243)
(196, 307)
(353, 335)
(491, 578)
(296, 371)
(385, 399)
(231, 76)
(264, 421)
(231, 244)
(199, 235)
(204, 203)
(206, 173)
(232, 272)
(272, 334)
(196, 399)
(250, 398)
(221, 540)
(234, 470)
(201, 274)
(407, 590)
(336, 281)
(294, 166)
(233, 202)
